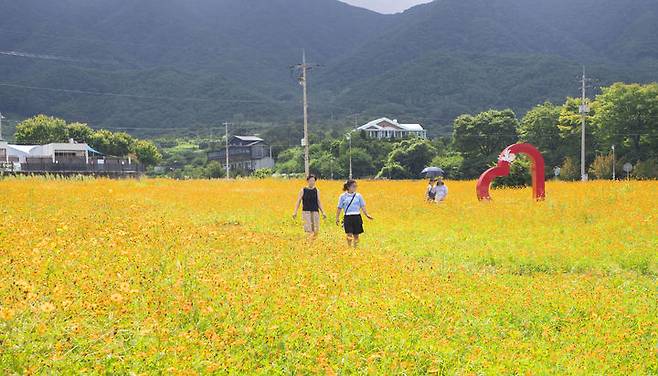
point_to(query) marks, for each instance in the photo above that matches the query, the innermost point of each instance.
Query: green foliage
(570, 170)
(519, 176)
(449, 58)
(79, 132)
(393, 170)
(116, 144)
(362, 163)
(214, 170)
(482, 137)
(263, 173)
(539, 127)
(570, 125)
(601, 168)
(450, 163)
(41, 129)
(324, 165)
(647, 170)
(408, 158)
(627, 117)
(146, 152)
(291, 161)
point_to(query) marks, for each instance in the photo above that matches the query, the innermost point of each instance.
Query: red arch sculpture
(503, 169)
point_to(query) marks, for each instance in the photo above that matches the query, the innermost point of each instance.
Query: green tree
(601, 168)
(569, 170)
(518, 177)
(115, 144)
(393, 170)
(570, 126)
(147, 153)
(539, 127)
(41, 129)
(324, 165)
(482, 137)
(291, 161)
(646, 169)
(450, 163)
(627, 117)
(412, 156)
(214, 170)
(79, 132)
(362, 163)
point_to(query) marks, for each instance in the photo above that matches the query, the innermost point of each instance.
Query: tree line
(623, 115)
(42, 129)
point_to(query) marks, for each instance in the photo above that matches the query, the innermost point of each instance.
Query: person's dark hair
(311, 177)
(348, 184)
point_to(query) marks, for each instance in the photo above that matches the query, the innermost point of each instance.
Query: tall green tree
(408, 158)
(291, 161)
(627, 117)
(570, 125)
(482, 137)
(362, 163)
(146, 152)
(41, 129)
(115, 144)
(79, 132)
(539, 127)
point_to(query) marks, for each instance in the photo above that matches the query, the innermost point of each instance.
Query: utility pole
(307, 162)
(584, 110)
(614, 164)
(349, 139)
(303, 80)
(228, 167)
(1, 117)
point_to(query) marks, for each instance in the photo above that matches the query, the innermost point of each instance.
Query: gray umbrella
(432, 172)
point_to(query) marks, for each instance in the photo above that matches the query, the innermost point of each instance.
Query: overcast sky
(386, 6)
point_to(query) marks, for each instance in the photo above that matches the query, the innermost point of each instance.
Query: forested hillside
(168, 65)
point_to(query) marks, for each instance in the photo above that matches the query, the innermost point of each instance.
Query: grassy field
(198, 277)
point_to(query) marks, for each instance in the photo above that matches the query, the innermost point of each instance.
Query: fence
(74, 165)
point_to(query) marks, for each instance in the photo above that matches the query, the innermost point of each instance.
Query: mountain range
(159, 66)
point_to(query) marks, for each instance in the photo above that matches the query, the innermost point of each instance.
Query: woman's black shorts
(353, 224)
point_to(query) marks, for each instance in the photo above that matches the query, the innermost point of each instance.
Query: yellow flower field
(198, 277)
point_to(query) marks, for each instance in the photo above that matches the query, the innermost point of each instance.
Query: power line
(134, 96)
(55, 36)
(51, 57)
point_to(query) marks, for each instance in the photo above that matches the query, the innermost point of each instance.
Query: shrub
(569, 170)
(519, 176)
(601, 168)
(647, 170)
(393, 170)
(214, 170)
(263, 173)
(451, 164)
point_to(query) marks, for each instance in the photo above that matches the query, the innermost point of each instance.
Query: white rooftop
(249, 138)
(407, 127)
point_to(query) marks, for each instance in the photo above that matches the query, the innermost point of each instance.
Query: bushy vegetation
(622, 115)
(42, 129)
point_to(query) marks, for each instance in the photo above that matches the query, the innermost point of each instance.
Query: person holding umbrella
(441, 190)
(437, 190)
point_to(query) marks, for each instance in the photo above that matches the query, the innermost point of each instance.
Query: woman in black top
(309, 198)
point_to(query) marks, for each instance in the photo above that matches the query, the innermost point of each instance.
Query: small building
(63, 158)
(248, 153)
(385, 128)
(54, 152)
